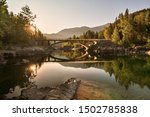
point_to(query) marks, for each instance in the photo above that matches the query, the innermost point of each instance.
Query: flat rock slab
(64, 91)
(90, 91)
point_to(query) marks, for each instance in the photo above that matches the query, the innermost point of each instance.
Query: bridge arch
(59, 42)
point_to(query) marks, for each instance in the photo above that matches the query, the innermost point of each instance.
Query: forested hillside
(17, 29)
(129, 29)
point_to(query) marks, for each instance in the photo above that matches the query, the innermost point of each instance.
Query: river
(113, 78)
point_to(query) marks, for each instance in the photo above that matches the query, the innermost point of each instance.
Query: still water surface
(118, 77)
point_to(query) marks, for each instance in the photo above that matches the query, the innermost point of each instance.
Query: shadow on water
(122, 74)
(17, 73)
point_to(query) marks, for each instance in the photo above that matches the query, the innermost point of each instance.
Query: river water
(113, 77)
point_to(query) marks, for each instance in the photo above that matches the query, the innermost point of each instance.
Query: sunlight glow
(32, 28)
(32, 67)
(55, 15)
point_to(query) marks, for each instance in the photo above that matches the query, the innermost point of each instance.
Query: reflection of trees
(77, 55)
(31, 71)
(71, 54)
(13, 74)
(128, 71)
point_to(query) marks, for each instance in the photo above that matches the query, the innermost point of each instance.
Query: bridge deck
(80, 61)
(76, 40)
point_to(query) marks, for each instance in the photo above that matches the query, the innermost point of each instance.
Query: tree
(96, 35)
(74, 37)
(116, 36)
(126, 13)
(147, 17)
(90, 34)
(3, 20)
(16, 29)
(83, 36)
(101, 35)
(108, 32)
(129, 34)
(3, 16)
(24, 23)
(121, 16)
(26, 15)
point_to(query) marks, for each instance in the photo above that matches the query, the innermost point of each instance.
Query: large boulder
(65, 91)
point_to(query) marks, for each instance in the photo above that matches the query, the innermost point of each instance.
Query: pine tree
(96, 35)
(126, 13)
(26, 15)
(116, 36)
(3, 20)
(108, 32)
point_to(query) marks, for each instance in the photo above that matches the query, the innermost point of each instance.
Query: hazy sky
(55, 15)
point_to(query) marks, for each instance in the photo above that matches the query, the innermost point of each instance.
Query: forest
(129, 29)
(17, 29)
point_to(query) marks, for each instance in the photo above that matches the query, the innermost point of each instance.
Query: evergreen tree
(126, 13)
(101, 35)
(121, 16)
(108, 32)
(3, 19)
(16, 28)
(90, 34)
(131, 29)
(26, 15)
(116, 36)
(96, 35)
(147, 17)
(74, 37)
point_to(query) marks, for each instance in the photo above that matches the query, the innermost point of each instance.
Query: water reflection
(10, 77)
(15, 75)
(73, 55)
(31, 71)
(128, 70)
(120, 77)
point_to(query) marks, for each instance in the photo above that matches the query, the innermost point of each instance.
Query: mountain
(66, 33)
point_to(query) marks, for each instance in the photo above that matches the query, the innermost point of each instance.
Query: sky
(55, 15)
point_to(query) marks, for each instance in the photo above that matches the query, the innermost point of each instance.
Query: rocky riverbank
(65, 91)
(23, 51)
(108, 48)
(121, 51)
(14, 52)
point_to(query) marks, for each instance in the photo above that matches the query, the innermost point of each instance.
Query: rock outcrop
(65, 91)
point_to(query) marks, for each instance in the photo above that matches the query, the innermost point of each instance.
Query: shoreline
(72, 89)
(65, 91)
(37, 50)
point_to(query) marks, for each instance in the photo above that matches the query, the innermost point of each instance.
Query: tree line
(129, 29)
(17, 29)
